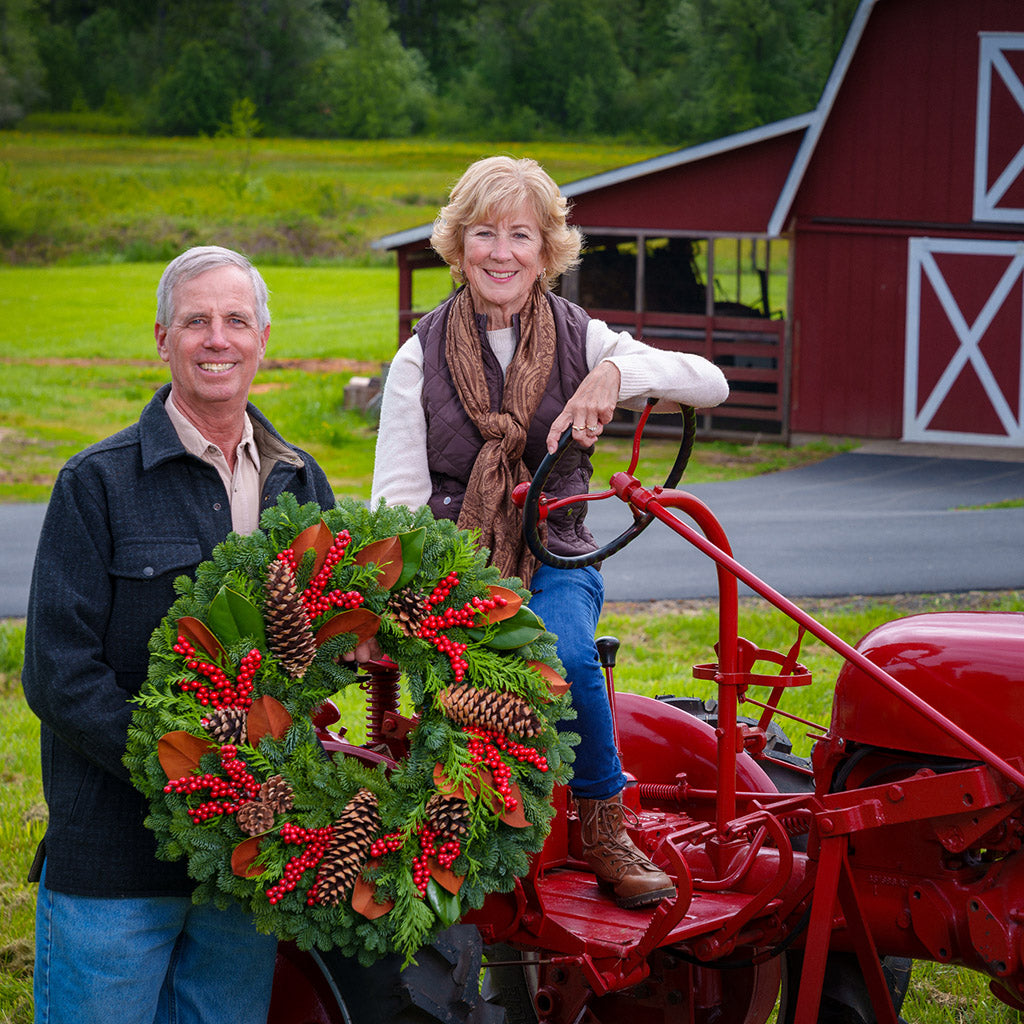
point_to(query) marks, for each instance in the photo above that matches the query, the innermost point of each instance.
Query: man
(117, 936)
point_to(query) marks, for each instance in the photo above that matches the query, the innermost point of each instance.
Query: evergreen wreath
(336, 852)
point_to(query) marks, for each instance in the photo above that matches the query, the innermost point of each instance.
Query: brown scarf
(488, 505)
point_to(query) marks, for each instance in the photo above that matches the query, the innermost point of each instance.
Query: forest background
(672, 72)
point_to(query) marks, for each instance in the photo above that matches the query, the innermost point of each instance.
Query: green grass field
(103, 199)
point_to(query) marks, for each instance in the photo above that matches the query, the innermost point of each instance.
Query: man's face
(214, 345)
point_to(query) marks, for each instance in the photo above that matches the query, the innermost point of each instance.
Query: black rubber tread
(442, 986)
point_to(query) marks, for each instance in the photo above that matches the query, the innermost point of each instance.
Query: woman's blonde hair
(494, 188)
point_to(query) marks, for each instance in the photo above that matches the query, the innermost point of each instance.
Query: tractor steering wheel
(531, 507)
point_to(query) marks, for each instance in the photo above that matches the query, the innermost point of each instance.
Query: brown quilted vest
(453, 440)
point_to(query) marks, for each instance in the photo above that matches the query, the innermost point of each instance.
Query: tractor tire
(530, 989)
(844, 997)
(441, 987)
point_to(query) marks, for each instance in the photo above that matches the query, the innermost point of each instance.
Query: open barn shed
(856, 271)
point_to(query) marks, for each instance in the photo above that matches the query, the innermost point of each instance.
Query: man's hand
(369, 650)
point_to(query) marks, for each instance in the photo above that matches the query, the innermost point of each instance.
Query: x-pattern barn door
(999, 129)
(965, 342)
(964, 370)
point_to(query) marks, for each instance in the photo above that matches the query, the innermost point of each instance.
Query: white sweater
(401, 474)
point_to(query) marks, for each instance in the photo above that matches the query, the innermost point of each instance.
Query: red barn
(899, 206)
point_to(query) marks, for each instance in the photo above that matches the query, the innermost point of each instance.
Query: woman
(476, 398)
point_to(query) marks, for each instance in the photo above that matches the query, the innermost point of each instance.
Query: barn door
(999, 129)
(964, 371)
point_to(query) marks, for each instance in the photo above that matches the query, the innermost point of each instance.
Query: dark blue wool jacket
(128, 515)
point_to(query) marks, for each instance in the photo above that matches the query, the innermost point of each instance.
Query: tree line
(673, 71)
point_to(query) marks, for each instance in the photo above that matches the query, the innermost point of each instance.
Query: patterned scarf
(488, 505)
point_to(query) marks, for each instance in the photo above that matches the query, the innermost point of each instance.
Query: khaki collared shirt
(242, 485)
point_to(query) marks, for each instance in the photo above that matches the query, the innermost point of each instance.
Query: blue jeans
(569, 601)
(148, 960)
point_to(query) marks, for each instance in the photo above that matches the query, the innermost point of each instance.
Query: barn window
(999, 138)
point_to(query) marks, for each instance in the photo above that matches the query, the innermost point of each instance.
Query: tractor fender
(966, 665)
(659, 742)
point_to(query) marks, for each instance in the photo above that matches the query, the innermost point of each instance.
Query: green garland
(262, 816)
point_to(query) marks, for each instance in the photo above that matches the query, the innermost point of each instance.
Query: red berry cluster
(314, 599)
(238, 772)
(482, 753)
(447, 852)
(428, 837)
(315, 841)
(387, 844)
(221, 693)
(486, 747)
(226, 795)
(442, 590)
(421, 864)
(520, 751)
(431, 627)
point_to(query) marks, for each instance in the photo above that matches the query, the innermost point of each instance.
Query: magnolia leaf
(556, 684)
(233, 616)
(180, 751)
(201, 638)
(360, 621)
(445, 877)
(267, 716)
(501, 612)
(445, 785)
(443, 900)
(363, 901)
(523, 628)
(317, 537)
(516, 818)
(386, 554)
(243, 856)
(412, 555)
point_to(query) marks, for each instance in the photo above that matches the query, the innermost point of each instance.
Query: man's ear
(263, 341)
(160, 333)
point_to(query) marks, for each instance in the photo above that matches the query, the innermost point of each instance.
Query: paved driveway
(857, 523)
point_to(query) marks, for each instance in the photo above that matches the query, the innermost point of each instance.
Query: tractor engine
(935, 834)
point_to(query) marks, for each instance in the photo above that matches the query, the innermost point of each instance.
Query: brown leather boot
(613, 857)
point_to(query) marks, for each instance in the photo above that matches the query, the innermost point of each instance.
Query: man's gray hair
(198, 260)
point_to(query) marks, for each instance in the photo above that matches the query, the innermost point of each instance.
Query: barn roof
(644, 168)
(819, 116)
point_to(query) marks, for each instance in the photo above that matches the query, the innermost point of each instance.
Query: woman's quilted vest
(453, 440)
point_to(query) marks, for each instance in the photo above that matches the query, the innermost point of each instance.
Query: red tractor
(804, 889)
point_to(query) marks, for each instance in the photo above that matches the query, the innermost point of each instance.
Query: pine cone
(289, 633)
(487, 709)
(408, 610)
(448, 815)
(227, 725)
(254, 817)
(276, 794)
(353, 835)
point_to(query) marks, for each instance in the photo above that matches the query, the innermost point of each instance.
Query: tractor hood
(967, 665)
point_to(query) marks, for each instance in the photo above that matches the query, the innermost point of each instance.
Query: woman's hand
(590, 408)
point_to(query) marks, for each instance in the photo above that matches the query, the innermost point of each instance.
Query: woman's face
(501, 261)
